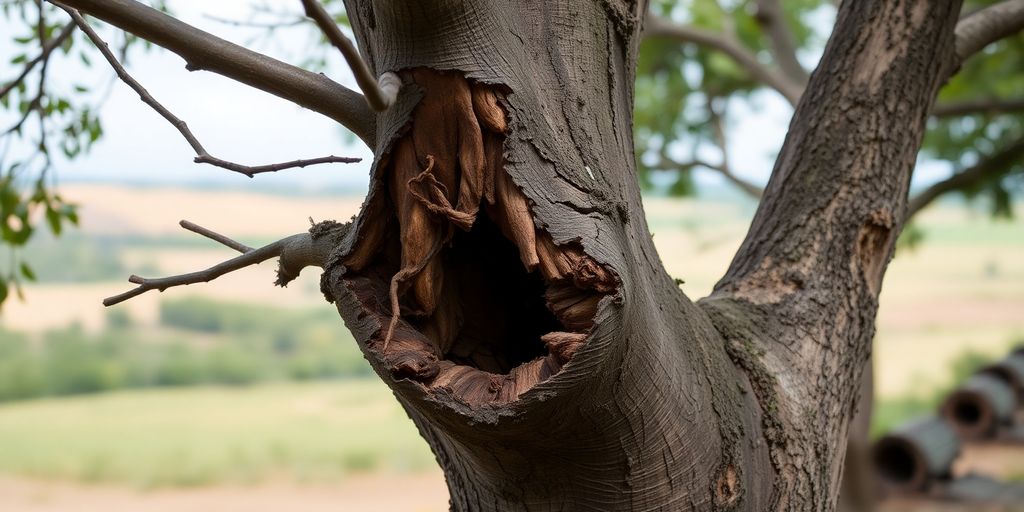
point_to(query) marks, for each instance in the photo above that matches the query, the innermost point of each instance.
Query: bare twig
(983, 27)
(251, 171)
(988, 168)
(202, 156)
(217, 237)
(772, 19)
(36, 102)
(204, 51)
(979, 106)
(296, 252)
(43, 55)
(656, 26)
(379, 94)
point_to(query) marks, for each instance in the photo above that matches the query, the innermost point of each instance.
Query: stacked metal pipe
(917, 458)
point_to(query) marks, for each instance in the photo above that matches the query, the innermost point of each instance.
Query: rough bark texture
(807, 277)
(740, 403)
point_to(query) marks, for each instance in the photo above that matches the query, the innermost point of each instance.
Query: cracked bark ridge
(802, 291)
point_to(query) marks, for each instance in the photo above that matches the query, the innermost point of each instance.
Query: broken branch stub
(473, 298)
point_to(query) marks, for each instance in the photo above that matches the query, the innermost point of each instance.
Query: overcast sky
(242, 124)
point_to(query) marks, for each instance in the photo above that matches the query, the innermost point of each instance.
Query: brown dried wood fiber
(440, 172)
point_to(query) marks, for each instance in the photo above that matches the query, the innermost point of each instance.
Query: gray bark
(647, 401)
(742, 403)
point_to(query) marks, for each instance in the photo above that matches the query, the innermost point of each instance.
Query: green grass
(204, 436)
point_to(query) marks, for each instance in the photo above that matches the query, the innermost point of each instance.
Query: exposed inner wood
(473, 298)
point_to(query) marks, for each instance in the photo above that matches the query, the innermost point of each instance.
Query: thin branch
(979, 106)
(204, 51)
(202, 156)
(253, 170)
(380, 95)
(983, 27)
(217, 237)
(35, 104)
(31, 108)
(271, 25)
(238, 262)
(656, 26)
(773, 21)
(41, 31)
(748, 188)
(989, 168)
(296, 252)
(43, 55)
(719, 131)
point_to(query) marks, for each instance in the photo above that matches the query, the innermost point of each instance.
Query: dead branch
(43, 55)
(983, 27)
(379, 94)
(217, 237)
(202, 156)
(656, 26)
(296, 252)
(204, 51)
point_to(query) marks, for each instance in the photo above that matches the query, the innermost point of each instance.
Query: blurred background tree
(704, 64)
(706, 67)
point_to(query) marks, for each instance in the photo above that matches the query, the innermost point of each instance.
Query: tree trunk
(505, 176)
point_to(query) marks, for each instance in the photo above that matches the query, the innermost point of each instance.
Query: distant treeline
(202, 342)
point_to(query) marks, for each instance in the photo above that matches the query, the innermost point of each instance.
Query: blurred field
(254, 448)
(300, 433)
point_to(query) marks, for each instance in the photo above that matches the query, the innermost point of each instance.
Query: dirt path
(407, 493)
(377, 493)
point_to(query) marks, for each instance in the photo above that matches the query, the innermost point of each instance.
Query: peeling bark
(502, 280)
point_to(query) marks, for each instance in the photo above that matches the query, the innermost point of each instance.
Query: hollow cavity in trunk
(472, 295)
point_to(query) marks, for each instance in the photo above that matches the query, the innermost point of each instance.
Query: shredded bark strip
(473, 298)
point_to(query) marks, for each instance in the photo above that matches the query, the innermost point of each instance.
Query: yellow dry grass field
(424, 492)
(962, 288)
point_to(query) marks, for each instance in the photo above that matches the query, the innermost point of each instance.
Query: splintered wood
(441, 310)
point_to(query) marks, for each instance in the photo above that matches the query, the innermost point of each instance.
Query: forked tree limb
(379, 94)
(204, 51)
(296, 252)
(202, 156)
(981, 28)
(43, 55)
(988, 168)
